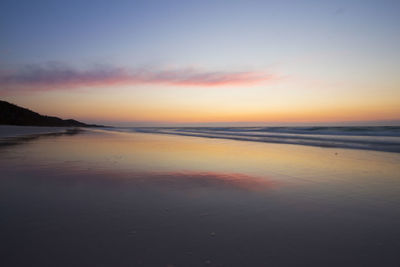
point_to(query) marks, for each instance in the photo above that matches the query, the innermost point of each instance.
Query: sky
(239, 63)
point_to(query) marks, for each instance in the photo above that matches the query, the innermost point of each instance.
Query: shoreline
(381, 143)
(15, 131)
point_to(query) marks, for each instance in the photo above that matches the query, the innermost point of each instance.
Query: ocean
(379, 138)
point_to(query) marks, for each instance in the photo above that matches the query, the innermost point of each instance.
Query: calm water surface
(101, 198)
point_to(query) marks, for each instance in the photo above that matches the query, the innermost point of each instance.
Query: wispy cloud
(59, 76)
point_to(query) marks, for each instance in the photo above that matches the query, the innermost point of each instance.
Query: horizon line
(372, 123)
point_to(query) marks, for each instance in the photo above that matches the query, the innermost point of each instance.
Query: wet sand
(10, 131)
(101, 198)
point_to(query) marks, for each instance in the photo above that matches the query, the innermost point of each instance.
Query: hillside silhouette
(11, 114)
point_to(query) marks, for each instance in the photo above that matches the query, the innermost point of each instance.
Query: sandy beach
(105, 198)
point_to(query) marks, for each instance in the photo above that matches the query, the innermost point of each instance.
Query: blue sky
(352, 45)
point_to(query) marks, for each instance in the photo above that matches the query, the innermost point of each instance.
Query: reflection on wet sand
(149, 152)
(162, 180)
(100, 198)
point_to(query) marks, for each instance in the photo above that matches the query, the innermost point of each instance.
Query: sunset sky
(203, 62)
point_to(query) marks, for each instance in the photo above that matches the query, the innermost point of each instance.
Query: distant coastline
(11, 114)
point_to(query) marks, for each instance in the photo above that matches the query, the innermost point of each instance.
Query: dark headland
(11, 114)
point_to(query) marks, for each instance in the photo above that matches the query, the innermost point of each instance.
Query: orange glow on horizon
(300, 116)
(176, 105)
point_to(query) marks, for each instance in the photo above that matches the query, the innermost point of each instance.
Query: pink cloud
(56, 76)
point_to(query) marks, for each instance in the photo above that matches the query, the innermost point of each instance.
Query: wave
(379, 138)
